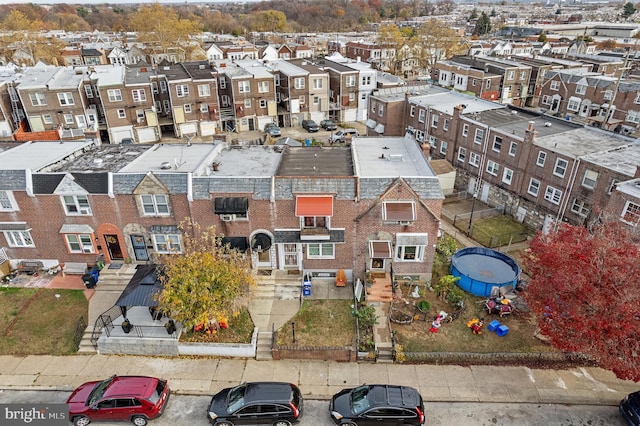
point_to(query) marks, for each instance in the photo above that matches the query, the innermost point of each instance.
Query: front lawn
(240, 330)
(320, 323)
(35, 322)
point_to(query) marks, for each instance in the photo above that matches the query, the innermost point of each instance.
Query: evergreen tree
(628, 10)
(483, 25)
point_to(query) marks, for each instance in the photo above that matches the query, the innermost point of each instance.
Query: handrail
(81, 326)
(104, 321)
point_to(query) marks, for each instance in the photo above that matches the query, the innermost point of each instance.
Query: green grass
(498, 231)
(321, 323)
(33, 321)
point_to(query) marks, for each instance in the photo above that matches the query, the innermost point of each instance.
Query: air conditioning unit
(87, 250)
(227, 217)
(85, 211)
(404, 223)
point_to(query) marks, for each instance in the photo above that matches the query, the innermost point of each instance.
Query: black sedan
(630, 408)
(310, 126)
(377, 405)
(328, 125)
(277, 403)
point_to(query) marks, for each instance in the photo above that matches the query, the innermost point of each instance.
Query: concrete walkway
(321, 379)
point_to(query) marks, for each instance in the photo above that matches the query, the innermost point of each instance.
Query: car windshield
(236, 398)
(359, 401)
(97, 392)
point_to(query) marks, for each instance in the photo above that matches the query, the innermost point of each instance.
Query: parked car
(630, 408)
(377, 405)
(272, 129)
(341, 135)
(310, 126)
(328, 125)
(127, 141)
(278, 403)
(127, 398)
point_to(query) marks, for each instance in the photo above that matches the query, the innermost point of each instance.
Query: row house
(465, 78)
(365, 51)
(11, 112)
(539, 169)
(593, 99)
(367, 82)
(292, 92)
(625, 201)
(315, 210)
(258, 106)
(604, 65)
(294, 51)
(318, 107)
(343, 92)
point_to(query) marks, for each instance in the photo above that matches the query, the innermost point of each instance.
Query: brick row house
(537, 168)
(303, 209)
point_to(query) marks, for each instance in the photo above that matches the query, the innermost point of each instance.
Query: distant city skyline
(100, 2)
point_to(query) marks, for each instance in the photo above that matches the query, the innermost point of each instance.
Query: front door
(139, 248)
(290, 256)
(113, 247)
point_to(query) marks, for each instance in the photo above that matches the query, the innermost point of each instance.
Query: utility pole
(605, 120)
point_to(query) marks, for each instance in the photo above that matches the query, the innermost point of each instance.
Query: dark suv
(129, 398)
(377, 405)
(310, 125)
(278, 403)
(328, 125)
(630, 408)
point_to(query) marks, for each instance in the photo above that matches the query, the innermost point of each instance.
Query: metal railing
(81, 326)
(104, 322)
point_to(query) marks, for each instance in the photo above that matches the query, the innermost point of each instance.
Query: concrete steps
(263, 347)
(86, 347)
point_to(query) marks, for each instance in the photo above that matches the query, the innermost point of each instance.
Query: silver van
(341, 135)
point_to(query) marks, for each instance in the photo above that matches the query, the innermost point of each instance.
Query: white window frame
(66, 99)
(350, 81)
(263, 86)
(298, 83)
(534, 187)
(546, 99)
(581, 89)
(19, 238)
(76, 205)
(401, 251)
(155, 205)
(513, 146)
(122, 114)
(479, 135)
(247, 102)
(542, 158)
(38, 98)
(497, 144)
(474, 159)
(263, 103)
(204, 108)
(204, 90)
(574, 104)
(590, 179)
(167, 243)
(68, 119)
(88, 91)
(80, 243)
(559, 169)
(553, 195)
(244, 86)
(324, 251)
(47, 119)
(139, 95)
(182, 90)
(507, 176)
(555, 85)
(445, 125)
(443, 147)
(493, 168)
(462, 153)
(632, 210)
(163, 86)
(317, 83)
(580, 207)
(465, 130)
(187, 108)
(223, 82)
(412, 111)
(434, 120)
(633, 116)
(8, 201)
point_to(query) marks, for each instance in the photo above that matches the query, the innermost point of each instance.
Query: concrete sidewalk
(321, 379)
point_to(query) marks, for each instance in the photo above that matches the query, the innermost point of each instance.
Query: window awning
(370, 123)
(230, 205)
(70, 228)
(397, 212)
(238, 243)
(164, 229)
(260, 242)
(314, 206)
(379, 128)
(412, 239)
(14, 226)
(380, 249)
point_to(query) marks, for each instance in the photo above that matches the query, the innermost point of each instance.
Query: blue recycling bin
(307, 142)
(306, 287)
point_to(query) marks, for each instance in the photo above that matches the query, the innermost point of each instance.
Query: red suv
(129, 398)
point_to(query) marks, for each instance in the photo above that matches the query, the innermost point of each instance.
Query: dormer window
(398, 212)
(315, 215)
(76, 205)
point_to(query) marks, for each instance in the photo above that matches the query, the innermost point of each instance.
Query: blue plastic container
(306, 287)
(493, 325)
(502, 330)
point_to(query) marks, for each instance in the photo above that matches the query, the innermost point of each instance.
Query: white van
(341, 135)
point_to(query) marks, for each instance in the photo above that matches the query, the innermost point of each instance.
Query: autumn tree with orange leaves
(584, 290)
(206, 281)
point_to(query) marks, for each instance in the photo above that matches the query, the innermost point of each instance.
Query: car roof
(140, 386)
(268, 391)
(396, 396)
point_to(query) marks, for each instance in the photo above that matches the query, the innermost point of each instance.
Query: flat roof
(37, 77)
(630, 187)
(172, 158)
(253, 160)
(389, 157)
(316, 161)
(446, 102)
(623, 158)
(38, 155)
(516, 122)
(104, 158)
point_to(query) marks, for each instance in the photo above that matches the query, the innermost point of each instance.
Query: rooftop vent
(547, 124)
(166, 165)
(514, 112)
(396, 157)
(97, 161)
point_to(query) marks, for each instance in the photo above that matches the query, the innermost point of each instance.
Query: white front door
(290, 253)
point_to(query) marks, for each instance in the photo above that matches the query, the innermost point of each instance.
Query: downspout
(575, 166)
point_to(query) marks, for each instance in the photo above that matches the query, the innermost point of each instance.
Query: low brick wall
(540, 359)
(340, 354)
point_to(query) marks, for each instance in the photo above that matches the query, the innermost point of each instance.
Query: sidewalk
(321, 379)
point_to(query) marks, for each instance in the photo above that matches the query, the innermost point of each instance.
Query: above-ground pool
(480, 269)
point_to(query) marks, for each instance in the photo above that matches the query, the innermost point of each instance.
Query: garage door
(118, 135)
(147, 134)
(188, 129)
(207, 128)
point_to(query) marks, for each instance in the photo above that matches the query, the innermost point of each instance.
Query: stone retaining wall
(237, 350)
(539, 359)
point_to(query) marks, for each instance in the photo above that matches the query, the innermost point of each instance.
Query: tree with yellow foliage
(438, 42)
(207, 281)
(160, 26)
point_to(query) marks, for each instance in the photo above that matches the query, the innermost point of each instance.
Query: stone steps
(86, 347)
(263, 346)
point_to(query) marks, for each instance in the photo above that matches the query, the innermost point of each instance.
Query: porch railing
(104, 322)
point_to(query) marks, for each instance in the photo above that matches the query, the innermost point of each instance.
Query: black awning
(141, 289)
(238, 243)
(230, 205)
(260, 242)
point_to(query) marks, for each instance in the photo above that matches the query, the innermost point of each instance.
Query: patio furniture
(75, 268)
(30, 266)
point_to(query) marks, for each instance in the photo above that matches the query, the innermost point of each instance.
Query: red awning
(314, 206)
(380, 249)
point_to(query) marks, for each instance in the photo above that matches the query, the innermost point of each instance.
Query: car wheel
(81, 421)
(225, 423)
(139, 420)
(348, 424)
(282, 423)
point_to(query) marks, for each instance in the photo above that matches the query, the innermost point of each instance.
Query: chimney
(530, 127)
(637, 175)
(530, 133)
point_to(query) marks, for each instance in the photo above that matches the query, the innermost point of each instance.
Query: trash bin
(307, 142)
(90, 279)
(306, 286)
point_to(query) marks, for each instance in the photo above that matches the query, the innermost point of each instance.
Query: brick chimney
(530, 133)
